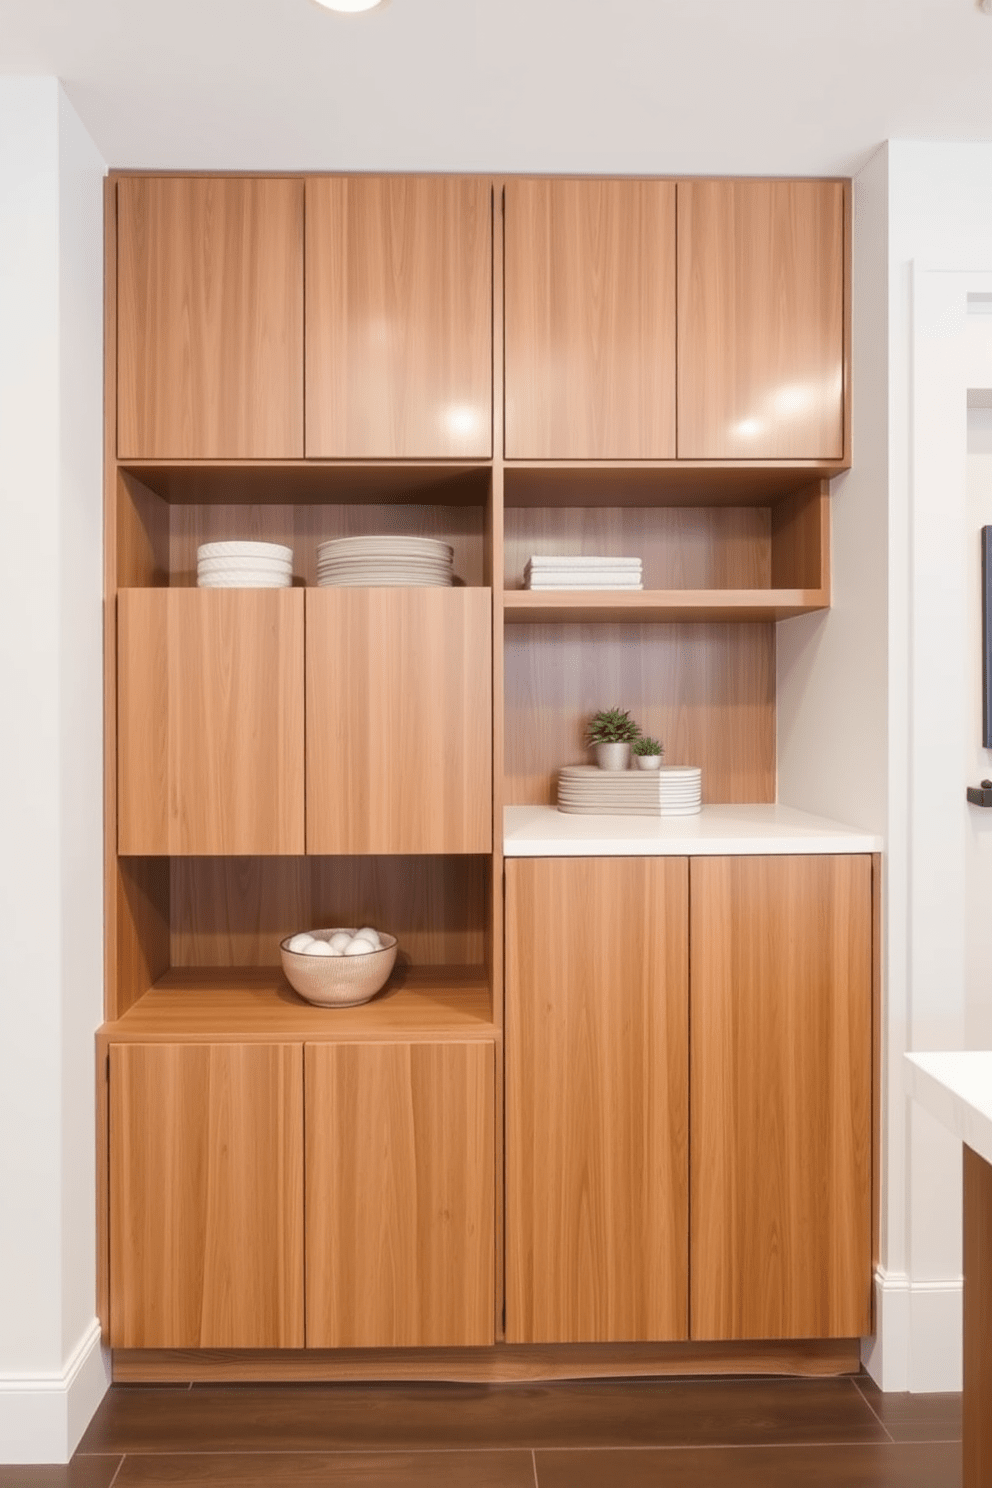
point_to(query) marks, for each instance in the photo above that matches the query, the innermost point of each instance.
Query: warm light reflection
(461, 420)
(748, 428)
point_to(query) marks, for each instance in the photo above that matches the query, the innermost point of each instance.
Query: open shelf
(527, 607)
(256, 1003)
(660, 483)
(305, 482)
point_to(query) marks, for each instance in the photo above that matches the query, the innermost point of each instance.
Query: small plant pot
(648, 761)
(613, 756)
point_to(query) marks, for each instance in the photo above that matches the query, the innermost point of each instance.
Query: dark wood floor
(730, 1433)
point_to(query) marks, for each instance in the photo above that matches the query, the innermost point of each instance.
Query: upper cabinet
(761, 320)
(399, 333)
(210, 318)
(590, 319)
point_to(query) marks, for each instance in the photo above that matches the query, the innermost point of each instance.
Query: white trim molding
(917, 1342)
(43, 1416)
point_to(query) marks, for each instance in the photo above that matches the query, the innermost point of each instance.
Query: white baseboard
(917, 1343)
(43, 1417)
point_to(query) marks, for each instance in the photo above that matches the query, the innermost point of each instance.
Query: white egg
(359, 947)
(338, 942)
(372, 936)
(300, 942)
(318, 948)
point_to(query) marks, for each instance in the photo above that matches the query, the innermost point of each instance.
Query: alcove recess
(726, 554)
(197, 937)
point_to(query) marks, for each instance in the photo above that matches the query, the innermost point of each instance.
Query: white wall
(978, 850)
(52, 1373)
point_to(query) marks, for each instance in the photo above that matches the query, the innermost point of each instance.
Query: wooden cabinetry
(399, 720)
(590, 319)
(597, 1099)
(210, 721)
(210, 318)
(761, 320)
(399, 354)
(206, 1196)
(780, 1118)
(400, 1202)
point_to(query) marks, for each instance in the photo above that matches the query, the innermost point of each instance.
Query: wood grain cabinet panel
(399, 285)
(210, 747)
(206, 1196)
(780, 1120)
(210, 318)
(760, 320)
(400, 1195)
(596, 1099)
(590, 319)
(399, 720)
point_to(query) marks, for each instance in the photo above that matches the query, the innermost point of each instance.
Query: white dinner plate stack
(673, 790)
(244, 565)
(381, 561)
(553, 571)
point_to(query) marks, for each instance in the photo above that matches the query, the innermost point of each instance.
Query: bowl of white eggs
(340, 967)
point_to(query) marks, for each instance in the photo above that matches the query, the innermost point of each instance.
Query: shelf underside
(529, 607)
(256, 1003)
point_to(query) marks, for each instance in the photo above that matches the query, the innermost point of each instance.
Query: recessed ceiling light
(349, 6)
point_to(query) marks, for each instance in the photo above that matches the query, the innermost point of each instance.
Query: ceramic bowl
(338, 981)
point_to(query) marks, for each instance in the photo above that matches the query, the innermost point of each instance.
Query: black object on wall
(987, 637)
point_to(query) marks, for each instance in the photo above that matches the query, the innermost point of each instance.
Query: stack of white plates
(566, 572)
(378, 561)
(244, 565)
(673, 790)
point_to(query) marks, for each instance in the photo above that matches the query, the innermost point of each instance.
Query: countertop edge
(937, 1081)
(761, 830)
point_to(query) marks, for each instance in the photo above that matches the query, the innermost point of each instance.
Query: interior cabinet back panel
(210, 721)
(706, 691)
(399, 317)
(596, 1099)
(780, 1118)
(590, 319)
(210, 318)
(206, 1196)
(400, 1195)
(399, 720)
(760, 320)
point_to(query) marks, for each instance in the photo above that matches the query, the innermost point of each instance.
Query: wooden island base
(977, 1396)
(809, 1357)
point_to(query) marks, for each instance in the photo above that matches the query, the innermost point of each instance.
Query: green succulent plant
(612, 726)
(646, 745)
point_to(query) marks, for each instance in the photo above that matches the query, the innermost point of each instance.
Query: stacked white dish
(244, 565)
(560, 571)
(380, 561)
(673, 790)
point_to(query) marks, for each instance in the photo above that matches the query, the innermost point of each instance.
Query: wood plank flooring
(673, 1433)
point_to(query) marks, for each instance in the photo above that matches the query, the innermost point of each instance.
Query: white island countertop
(956, 1088)
(546, 832)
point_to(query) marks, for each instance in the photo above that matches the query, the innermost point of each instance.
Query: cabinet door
(210, 721)
(399, 720)
(210, 318)
(596, 1099)
(399, 275)
(761, 320)
(590, 319)
(781, 1097)
(206, 1196)
(400, 1195)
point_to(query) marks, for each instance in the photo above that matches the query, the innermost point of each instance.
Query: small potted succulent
(611, 732)
(647, 753)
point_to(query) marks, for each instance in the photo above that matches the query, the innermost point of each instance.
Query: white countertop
(546, 832)
(956, 1088)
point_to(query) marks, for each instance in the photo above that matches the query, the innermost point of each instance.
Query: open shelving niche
(197, 936)
(728, 550)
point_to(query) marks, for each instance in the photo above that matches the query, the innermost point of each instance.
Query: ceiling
(621, 86)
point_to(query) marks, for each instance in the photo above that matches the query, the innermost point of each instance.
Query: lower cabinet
(210, 1236)
(677, 1025)
(597, 1099)
(780, 1115)
(400, 1195)
(206, 1195)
